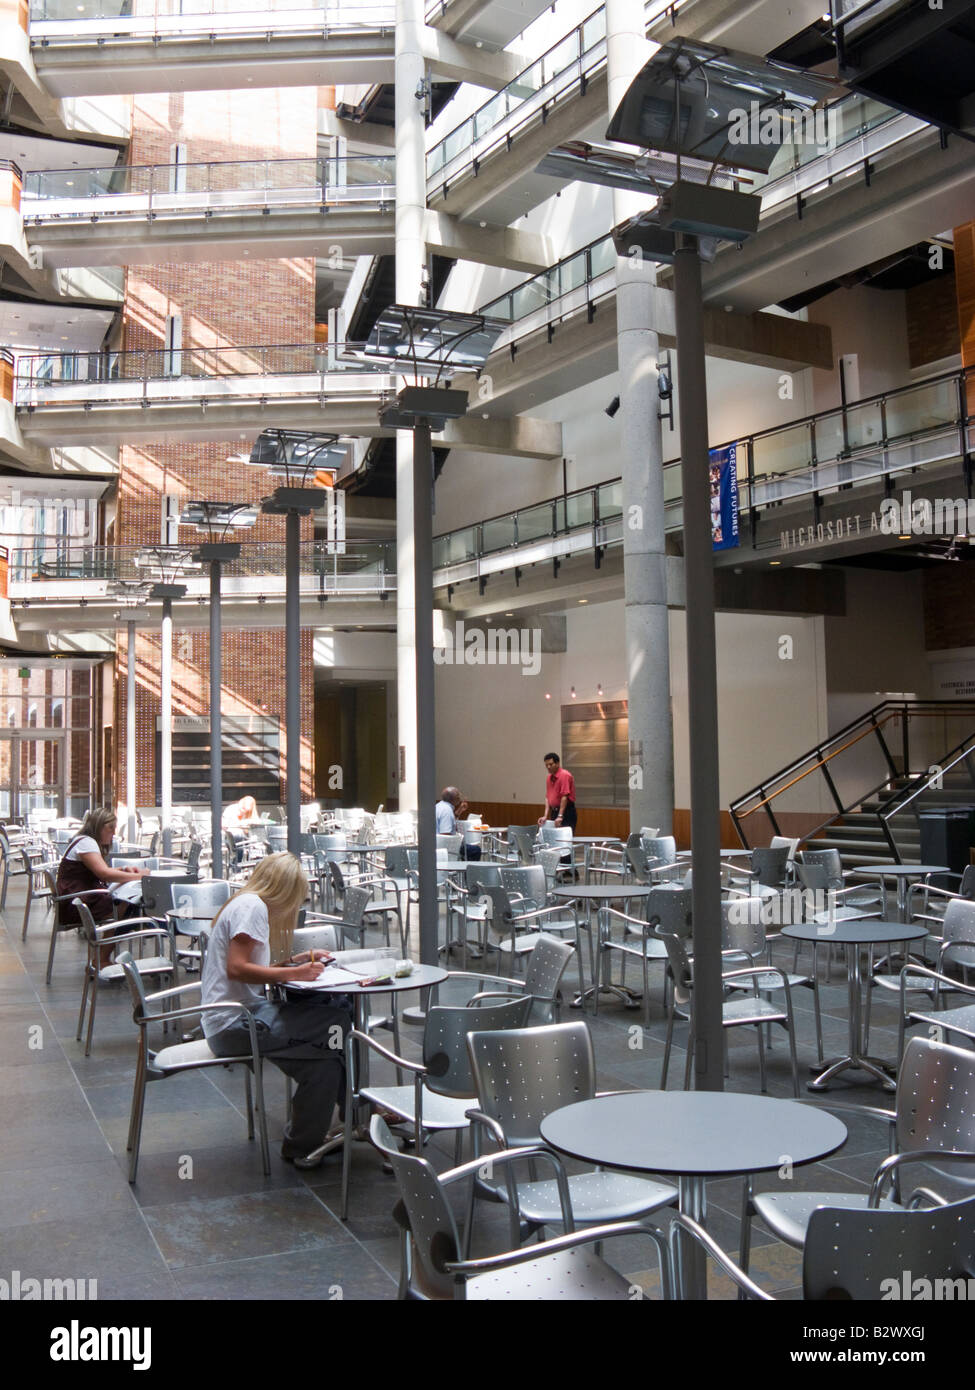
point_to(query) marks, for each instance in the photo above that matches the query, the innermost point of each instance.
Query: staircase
(897, 759)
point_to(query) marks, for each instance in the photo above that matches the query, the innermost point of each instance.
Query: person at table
(250, 947)
(560, 793)
(450, 809)
(84, 869)
(236, 818)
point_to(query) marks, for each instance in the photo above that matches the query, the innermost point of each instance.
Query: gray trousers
(305, 1040)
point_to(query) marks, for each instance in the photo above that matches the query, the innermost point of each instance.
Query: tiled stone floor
(227, 1232)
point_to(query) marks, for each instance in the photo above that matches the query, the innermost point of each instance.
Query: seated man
(450, 807)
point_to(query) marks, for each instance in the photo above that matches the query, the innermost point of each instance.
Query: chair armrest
(504, 1159)
(493, 979)
(926, 1196)
(930, 974)
(354, 1036)
(104, 934)
(489, 994)
(186, 989)
(756, 970)
(541, 912)
(491, 1124)
(683, 1225)
(561, 1243)
(888, 1170)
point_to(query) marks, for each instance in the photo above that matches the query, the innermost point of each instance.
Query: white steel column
(410, 74)
(644, 548)
(131, 830)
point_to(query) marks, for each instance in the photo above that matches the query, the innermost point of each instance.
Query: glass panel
(527, 83)
(532, 295)
(921, 409)
(561, 57)
(830, 442)
(602, 257)
(455, 548)
(535, 523)
(783, 452)
(579, 510)
(673, 483)
(572, 273)
(457, 141)
(498, 534)
(864, 425)
(489, 115)
(593, 30)
(610, 501)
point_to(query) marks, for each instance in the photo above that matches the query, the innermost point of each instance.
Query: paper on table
(332, 977)
(129, 892)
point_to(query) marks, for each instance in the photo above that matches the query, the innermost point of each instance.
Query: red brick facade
(221, 305)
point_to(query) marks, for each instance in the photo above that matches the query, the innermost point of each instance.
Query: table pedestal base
(630, 997)
(831, 1068)
(693, 1202)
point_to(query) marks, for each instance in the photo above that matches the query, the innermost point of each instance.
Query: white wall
(494, 724)
(871, 323)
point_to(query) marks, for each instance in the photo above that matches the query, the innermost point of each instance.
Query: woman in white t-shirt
(84, 872)
(250, 947)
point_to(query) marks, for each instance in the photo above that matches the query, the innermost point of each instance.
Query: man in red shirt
(560, 793)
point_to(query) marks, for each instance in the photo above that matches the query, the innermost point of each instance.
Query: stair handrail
(924, 781)
(817, 759)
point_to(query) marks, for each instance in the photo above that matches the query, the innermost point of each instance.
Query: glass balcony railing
(143, 189)
(176, 17)
(929, 421)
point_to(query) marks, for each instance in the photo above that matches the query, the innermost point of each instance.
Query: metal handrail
(204, 9)
(873, 721)
(925, 780)
(164, 178)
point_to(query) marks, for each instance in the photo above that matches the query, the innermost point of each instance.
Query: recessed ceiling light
(509, 615)
(775, 562)
(583, 600)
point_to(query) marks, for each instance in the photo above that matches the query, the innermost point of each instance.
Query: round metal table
(902, 874)
(693, 1136)
(600, 894)
(854, 935)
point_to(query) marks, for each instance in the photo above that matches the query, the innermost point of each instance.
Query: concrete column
(410, 71)
(644, 551)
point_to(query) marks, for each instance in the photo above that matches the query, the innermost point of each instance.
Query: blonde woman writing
(250, 947)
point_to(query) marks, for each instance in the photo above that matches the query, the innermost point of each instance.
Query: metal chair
(187, 1056)
(443, 1086)
(12, 865)
(740, 1011)
(956, 946)
(37, 876)
(58, 923)
(567, 1268)
(934, 901)
(864, 1254)
(543, 975)
(97, 937)
(521, 1076)
(668, 907)
(470, 902)
(933, 1111)
(522, 904)
(193, 907)
(521, 840)
(743, 933)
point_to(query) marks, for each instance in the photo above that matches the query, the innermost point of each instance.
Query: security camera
(613, 407)
(665, 386)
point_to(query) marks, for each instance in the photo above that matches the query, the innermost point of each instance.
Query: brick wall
(949, 607)
(227, 304)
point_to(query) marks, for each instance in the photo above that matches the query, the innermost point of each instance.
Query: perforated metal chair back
(545, 968)
(277, 838)
(669, 908)
(451, 843)
(397, 861)
(481, 877)
(527, 882)
(551, 834)
(861, 1254)
(549, 860)
(354, 906)
(660, 848)
(525, 1074)
(133, 979)
(935, 1103)
(336, 875)
(814, 877)
(522, 839)
(677, 959)
(742, 928)
(967, 886)
(826, 859)
(433, 1232)
(769, 865)
(88, 927)
(201, 901)
(320, 938)
(638, 860)
(158, 895)
(958, 933)
(445, 1053)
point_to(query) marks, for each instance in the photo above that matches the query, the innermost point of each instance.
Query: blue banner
(724, 497)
